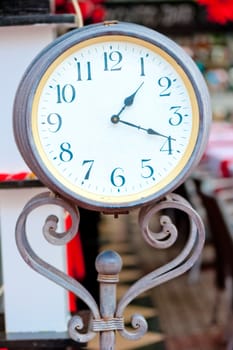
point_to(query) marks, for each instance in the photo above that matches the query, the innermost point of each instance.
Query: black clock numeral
(167, 146)
(83, 71)
(142, 67)
(177, 118)
(66, 155)
(117, 179)
(148, 170)
(112, 61)
(165, 83)
(55, 122)
(65, 93)
(89, 165)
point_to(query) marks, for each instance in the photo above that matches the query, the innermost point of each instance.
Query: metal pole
(108, 266)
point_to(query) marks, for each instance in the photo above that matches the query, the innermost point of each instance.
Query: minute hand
(149, 130)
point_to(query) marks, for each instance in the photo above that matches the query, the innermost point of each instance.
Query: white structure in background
(31, 302)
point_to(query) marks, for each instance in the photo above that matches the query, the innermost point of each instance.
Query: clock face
(114, 122)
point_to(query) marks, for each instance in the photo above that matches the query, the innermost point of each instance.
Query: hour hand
(128, 101)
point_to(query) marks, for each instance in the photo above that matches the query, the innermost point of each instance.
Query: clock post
(145, 92)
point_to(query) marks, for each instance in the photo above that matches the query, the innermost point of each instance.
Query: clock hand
(149, 131)
(128, 101)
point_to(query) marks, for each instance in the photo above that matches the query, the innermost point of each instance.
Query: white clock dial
(115, 120)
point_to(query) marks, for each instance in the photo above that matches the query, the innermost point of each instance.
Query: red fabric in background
(75, 262)
(22, 176)
(92, 10)
(219, 11)
(226, 167)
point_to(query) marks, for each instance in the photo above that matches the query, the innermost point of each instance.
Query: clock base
(108, 317)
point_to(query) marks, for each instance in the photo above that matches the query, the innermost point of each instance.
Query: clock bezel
(24, 127)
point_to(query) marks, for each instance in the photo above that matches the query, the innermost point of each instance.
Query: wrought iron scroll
(161, 240)
(47, 270)
(109, 316)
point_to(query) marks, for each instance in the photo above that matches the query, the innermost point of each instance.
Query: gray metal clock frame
(33, 75)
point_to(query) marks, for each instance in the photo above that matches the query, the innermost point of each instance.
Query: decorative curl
(50, 225)
(180, 264)
(75, 324)
(49, 230)
(163, 239)
(139, 323)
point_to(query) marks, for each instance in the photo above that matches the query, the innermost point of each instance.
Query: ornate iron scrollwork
(109, 316)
